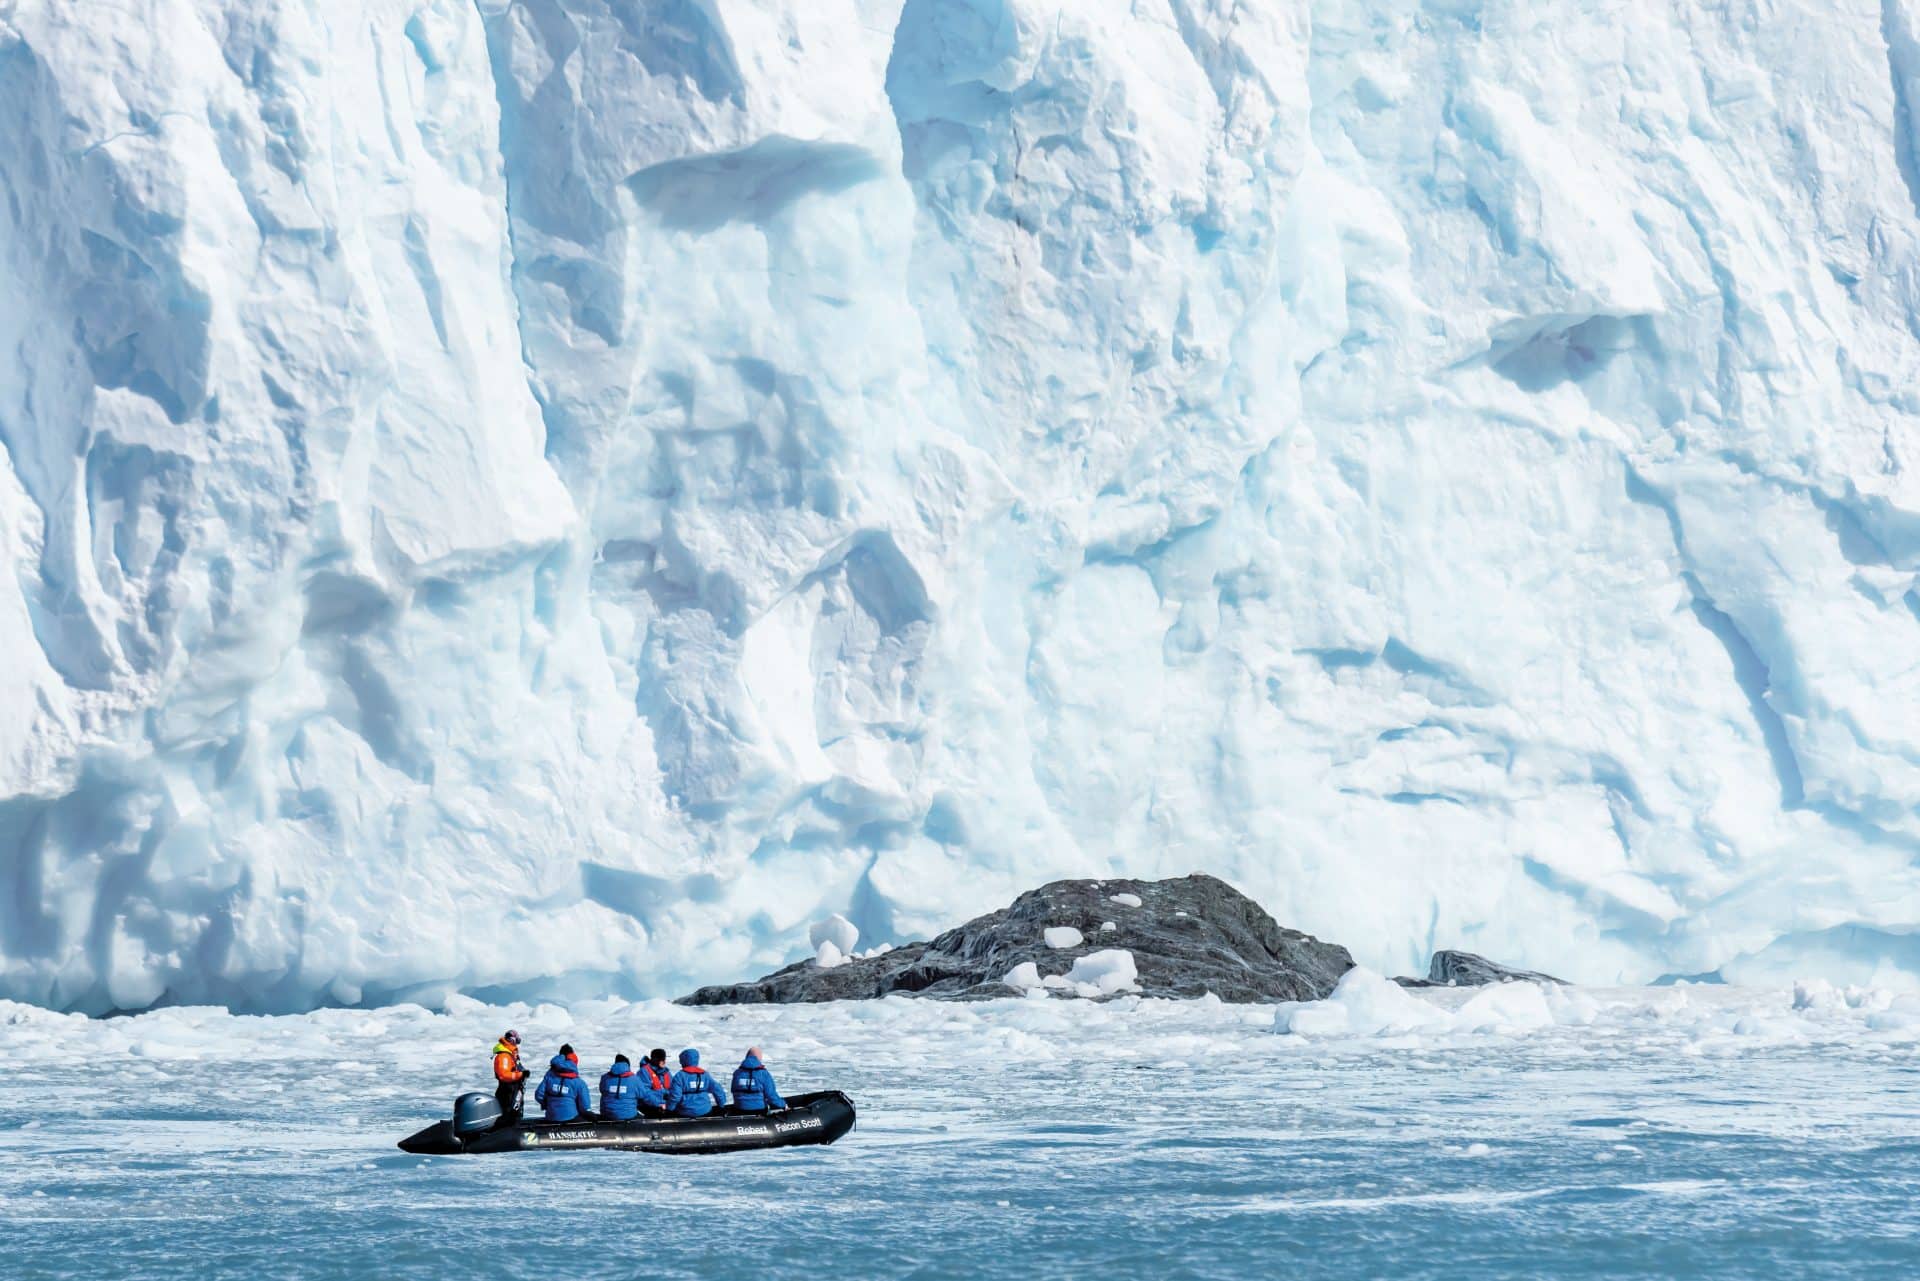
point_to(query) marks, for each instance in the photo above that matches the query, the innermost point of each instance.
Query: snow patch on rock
(1107, 971)
(1024, 975)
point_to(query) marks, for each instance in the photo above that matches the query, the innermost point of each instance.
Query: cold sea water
(1705, 1132)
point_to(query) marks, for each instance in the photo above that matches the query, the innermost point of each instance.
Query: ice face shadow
(754, 184)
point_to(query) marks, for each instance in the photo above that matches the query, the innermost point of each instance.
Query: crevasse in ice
(553, 497)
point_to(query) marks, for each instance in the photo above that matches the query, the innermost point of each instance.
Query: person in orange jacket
(656, 1072)
(507, 1071)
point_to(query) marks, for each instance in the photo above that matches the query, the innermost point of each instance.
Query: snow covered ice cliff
(550, 497)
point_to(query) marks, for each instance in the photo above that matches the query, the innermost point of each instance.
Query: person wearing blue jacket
(620, 1091)
(562, 1094)
(625, 1094)
(753, 1088)
(694, 1092)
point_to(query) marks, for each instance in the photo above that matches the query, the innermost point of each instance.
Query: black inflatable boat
(477, 1126)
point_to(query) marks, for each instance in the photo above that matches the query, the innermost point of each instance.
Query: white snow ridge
(487, 510)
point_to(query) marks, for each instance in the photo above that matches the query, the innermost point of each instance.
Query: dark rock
(1189, 936)
(1465, 969)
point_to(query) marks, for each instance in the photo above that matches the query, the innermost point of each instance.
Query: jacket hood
(620, 1069)
(563, 1066)
(689, 1058)
(752, 1063)
(501, 1047)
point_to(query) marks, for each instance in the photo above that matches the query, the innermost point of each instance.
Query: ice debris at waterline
(1700, 1131)
(1182, 937)
(477, 474)
(1366, 1004)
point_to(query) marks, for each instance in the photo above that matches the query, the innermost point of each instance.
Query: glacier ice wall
(548, 497)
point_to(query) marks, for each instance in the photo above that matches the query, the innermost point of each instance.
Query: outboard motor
(475, 1114)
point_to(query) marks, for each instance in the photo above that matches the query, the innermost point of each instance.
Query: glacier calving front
(551, 497)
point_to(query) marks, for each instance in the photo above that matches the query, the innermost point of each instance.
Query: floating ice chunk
(1813, 994)
(828, 956)
(1505, 1007)
(1364, 1003)
(1125, 900)
(1571, 1008)
(838, 930)
(1108, 927)
(1062, 936)
(1762, 1025)
(1818, 994)
(1901, 1015)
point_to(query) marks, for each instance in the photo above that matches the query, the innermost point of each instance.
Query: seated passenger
(655, 1072)
(620, 1091)
(753, 1088)
(694, 1091)
(562, 1094)
(655, 1080)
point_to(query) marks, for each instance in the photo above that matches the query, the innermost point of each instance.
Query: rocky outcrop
(1184, 937)
(1467, 969)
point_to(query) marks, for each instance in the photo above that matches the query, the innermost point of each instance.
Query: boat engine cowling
(475, 1114)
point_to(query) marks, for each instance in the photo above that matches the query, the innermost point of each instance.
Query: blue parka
(694, 1092)
(562, 1093)
(753, 1089)
(622, 1091)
